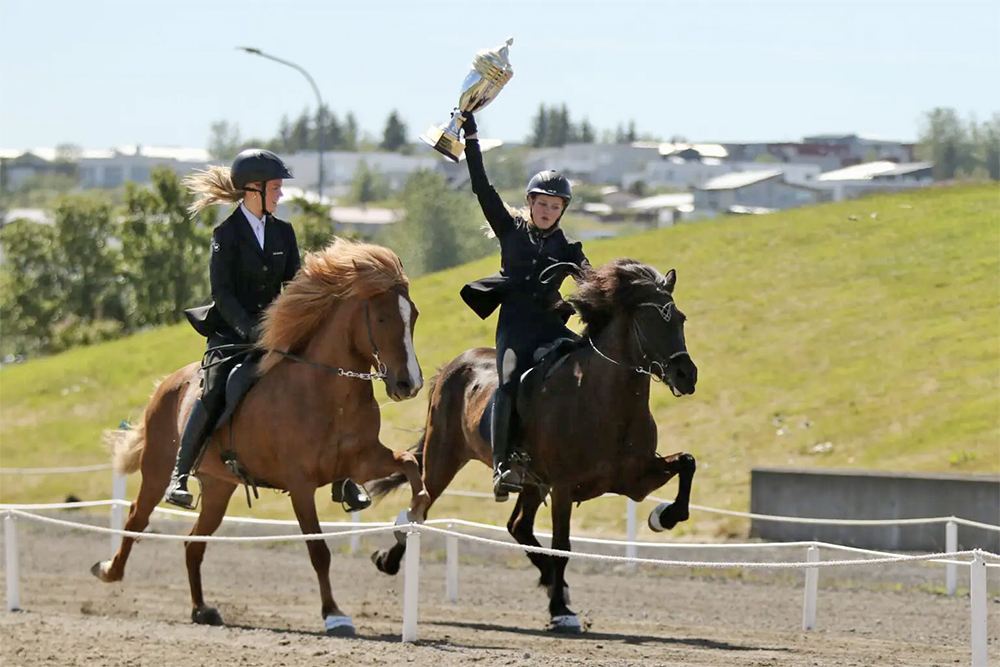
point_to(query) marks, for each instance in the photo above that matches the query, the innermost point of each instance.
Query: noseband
(666, 312)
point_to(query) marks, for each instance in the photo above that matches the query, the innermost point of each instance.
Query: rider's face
(545, 210)
(273, 194)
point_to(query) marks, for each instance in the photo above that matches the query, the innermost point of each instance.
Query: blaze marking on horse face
(412, 366)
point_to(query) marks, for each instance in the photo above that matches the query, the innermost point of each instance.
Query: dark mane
(618, 285)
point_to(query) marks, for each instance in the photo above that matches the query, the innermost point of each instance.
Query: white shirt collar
(256, 224)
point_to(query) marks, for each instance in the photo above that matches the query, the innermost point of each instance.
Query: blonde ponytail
(214, 185)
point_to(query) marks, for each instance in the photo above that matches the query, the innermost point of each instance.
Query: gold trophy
(490, 72)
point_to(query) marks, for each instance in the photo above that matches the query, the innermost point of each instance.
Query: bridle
(666, 312)
(380, 373)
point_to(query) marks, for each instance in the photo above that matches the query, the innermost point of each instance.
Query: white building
(878, 176)
(593, 163)
(752, 191)
(340, 168)
(111, 168)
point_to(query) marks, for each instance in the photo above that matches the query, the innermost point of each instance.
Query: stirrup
(178, 496)
(351, 496)
(505, 480)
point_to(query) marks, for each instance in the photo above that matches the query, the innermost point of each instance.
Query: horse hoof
(665, 516)
(100, 570)
(567, 624)
(206, 616)
(380, 558)
(340, 626)
(403, 519)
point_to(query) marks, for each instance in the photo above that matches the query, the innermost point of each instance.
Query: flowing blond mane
(342, 270)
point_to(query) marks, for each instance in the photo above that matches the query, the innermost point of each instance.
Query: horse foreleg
(521, 527)
(667, 515)
(215, 496)
(563, 619)
(303, 496)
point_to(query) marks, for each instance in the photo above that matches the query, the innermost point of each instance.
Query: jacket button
(265, 269)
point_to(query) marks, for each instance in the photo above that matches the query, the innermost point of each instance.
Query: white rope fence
(118, 491)
(975, 559)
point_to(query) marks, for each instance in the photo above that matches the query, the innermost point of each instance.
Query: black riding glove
(469, 126)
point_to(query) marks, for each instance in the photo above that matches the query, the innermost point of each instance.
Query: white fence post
(13, 569)
(411, 585)
(631, 530)
(977, 601)
(451, 568)
(118, 490)
(812, 583)
(951, 546)
(355, 539)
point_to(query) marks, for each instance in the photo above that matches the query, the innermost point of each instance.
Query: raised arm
(497, 215)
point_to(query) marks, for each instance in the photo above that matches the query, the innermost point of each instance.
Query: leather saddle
(546, 360)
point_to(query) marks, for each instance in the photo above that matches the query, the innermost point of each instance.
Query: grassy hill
(861, 334)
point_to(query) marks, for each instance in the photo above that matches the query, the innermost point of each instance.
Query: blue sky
(101, 73)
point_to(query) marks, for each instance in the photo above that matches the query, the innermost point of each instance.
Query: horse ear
(671, 279)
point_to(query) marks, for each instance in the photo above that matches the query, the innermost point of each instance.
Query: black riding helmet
(550, 183)
(256, 165)
(554, 184)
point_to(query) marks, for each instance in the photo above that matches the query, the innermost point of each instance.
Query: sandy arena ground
(267, 594)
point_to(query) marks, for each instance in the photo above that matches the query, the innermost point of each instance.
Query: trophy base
(444, 142)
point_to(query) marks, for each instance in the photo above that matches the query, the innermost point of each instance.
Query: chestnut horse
(310, 419)
(585, 424)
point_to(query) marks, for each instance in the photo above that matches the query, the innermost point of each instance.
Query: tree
(312, 223)
(587, 134)
(394, 135)
(32, 293)
(540, 128)
(301, 133)
(352, 133)
(944, 140)
(223, 140)
(333, 133)
(68, 152)
(438, 230)
(89, 265)
(165, 250)
(632, 135)
(368, 185)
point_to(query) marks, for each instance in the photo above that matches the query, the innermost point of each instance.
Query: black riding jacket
(245, 278)
(525, 252)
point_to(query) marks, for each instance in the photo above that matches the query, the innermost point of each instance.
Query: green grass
(876, 321)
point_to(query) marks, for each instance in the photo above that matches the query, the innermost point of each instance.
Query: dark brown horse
(586, 426)
(311, 418)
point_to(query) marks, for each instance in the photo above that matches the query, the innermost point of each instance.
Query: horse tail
(382, 487)
(126, 446)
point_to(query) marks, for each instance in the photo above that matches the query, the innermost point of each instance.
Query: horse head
(348, 310)
(388, 332)
(642, 299)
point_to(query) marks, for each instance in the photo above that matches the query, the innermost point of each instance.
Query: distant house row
(711, 178)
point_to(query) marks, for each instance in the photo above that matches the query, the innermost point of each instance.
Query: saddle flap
(238, 383)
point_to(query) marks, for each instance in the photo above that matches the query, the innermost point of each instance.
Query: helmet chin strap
(263, 199)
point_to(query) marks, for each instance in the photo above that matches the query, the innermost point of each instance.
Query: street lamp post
(319, 101)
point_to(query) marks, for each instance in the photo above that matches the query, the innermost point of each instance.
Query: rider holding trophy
(532, 250)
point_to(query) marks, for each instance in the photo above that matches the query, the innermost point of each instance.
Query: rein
(242, 348)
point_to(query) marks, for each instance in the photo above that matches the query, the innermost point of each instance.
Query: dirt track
(267, 596)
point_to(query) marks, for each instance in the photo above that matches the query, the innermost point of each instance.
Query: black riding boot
(505, 479)
(354, 498)
(195, 432)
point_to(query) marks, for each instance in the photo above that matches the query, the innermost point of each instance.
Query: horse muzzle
(403, 388)
(680, 374)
